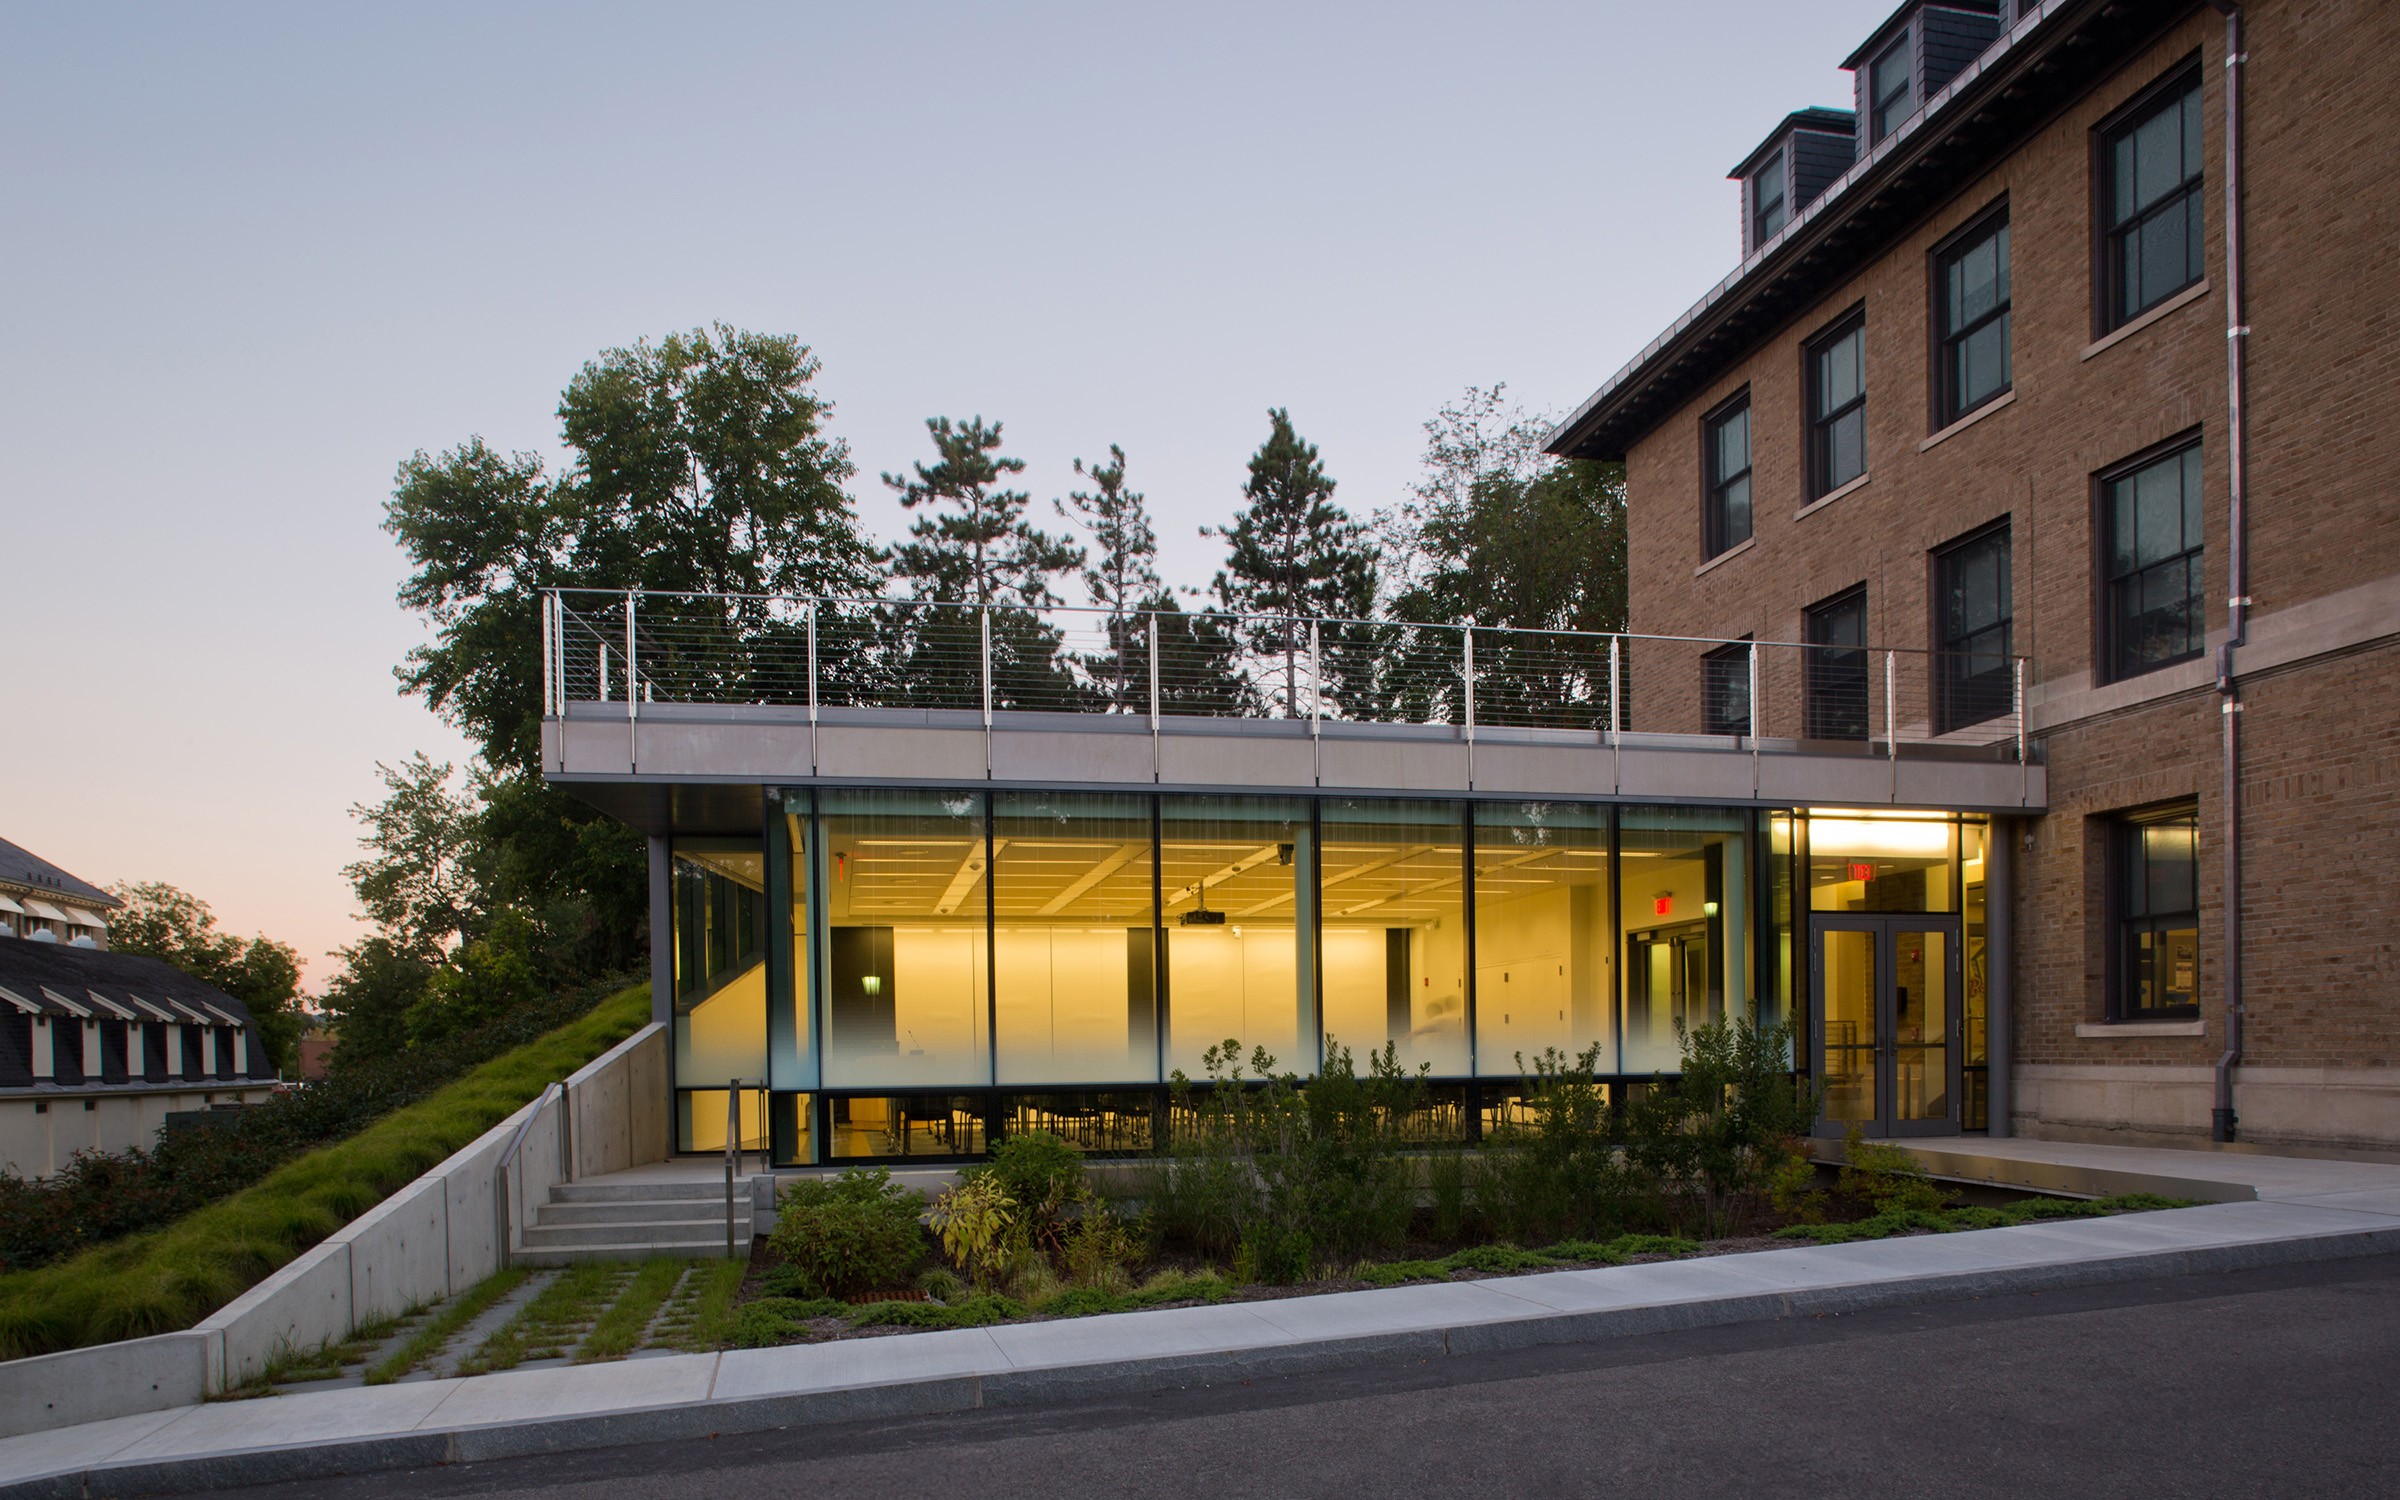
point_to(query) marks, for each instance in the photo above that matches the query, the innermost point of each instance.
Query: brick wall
(2321, 791)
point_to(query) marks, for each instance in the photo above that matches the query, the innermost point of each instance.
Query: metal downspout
(2237, 602)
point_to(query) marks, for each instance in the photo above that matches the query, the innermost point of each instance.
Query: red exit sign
(1861, 871)
(1661, 906)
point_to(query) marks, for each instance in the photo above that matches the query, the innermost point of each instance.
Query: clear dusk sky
(256, 256)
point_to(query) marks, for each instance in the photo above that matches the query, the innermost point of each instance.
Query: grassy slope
(173, 1277)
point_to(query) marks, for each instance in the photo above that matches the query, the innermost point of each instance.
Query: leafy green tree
(370, 1000)
(973, 544)
(700, 463)
(1293, 556)
(163, 921)
(421, 883)
(1120, 572)
(495, 973)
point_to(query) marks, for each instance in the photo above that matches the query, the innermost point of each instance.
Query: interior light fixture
(870, 984)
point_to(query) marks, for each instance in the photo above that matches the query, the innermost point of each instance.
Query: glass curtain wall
(1393, 888)
(1544, 940)
(1859, 863)
(1074, 939)
(907, 965)
(1686, 897)
(720, 968)
(1975, 1092)
(1239, 921)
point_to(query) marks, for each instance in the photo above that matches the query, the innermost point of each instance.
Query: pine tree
(1293, 556)
(1120, 570)
(975, 546)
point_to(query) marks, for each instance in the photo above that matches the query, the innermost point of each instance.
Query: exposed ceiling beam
(1117, 859)
(970, 870)
(1247, 862)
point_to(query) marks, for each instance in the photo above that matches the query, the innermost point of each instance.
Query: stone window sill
(1818, 504)
(2120, 1030)
(1728, 555)
(2000, 402)
(2182, 299)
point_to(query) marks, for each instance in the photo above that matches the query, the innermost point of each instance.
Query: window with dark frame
(1973, 360)
(1837, 408)
(1836, 690)
(1974, 666)
(2153, 567)
(1725, 690)
(1725, 518)
(1766, 200)
(2155, 963)
(1889, 86)
(2154, 220)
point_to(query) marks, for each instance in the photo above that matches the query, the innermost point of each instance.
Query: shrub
(1558, 1175)
(1101, 1247)
(777, 1320)
(1885, 1177)
(1043, 1175)
(1792, 1187)
(968, 1312)
(855, 1233)
(1706, 1148)
(979, 1227)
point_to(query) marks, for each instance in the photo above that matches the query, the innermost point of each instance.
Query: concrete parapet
(75, 1386)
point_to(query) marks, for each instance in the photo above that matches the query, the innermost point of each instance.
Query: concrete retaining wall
(434, 1238)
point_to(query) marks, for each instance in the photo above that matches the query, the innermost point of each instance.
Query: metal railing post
(985, 612)
(1155, 765)
(1891, 703)
(549, 648)
(1757, 717)
(1616, 738)
(633, 689)
(812, 687)
(1316, 699)
(1468, 635)
(733, 1146)
(2024, 767)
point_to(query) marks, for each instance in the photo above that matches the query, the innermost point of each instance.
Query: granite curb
(1061, 1383)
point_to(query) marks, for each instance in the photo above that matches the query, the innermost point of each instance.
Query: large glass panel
(1776, 1004)
(907, 962)
(1074, 943)
(1848, 996)
(1920, 1025)
(1685, 878)
(1860, 862)
(791, 1053)
(1105, 1123)
(908, 1125)
(1975, 998)
(1542, 939)
(2159, 921)
(1837, 697)
(1395, 930)
(720, 962)
(1238, 874)
(701, 1118)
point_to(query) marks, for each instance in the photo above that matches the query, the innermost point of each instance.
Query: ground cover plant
(172, 1277)
(102, 1196)
(1266, 1187)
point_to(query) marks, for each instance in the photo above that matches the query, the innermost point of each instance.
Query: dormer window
(1889, 88)
(1766, 200)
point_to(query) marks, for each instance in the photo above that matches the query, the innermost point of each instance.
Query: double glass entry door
(1887, 1018)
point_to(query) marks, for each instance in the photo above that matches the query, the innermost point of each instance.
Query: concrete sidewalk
(2286, 1210)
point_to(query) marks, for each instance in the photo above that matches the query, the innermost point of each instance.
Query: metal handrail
(635, 647)
(501, 1173)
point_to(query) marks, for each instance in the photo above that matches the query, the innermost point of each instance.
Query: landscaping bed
(1272, 1190)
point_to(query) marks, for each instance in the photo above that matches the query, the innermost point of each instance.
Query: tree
(974, 545)
(699, 464)
(1120, 571)
(420, 883)
(1293, 556)
(370, 999)
(166, 922)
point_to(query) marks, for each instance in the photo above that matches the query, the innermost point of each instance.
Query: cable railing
(636, 648)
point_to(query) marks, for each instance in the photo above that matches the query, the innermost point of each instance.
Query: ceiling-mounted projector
(1203, 918)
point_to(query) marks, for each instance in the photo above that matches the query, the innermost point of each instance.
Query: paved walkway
(2294, 1210)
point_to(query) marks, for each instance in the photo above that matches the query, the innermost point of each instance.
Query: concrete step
(567, 1255)
(606, 1190)
(653, 1231)
(639, 1210)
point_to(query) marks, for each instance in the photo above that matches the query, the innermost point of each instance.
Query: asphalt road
(2279, 1382)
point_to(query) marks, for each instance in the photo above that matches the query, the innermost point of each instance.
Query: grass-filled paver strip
(553, 1324)
(700, 1316)
(622, 1327)
(435, 1332)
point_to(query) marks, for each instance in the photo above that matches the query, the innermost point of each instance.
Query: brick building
(2076, 341)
